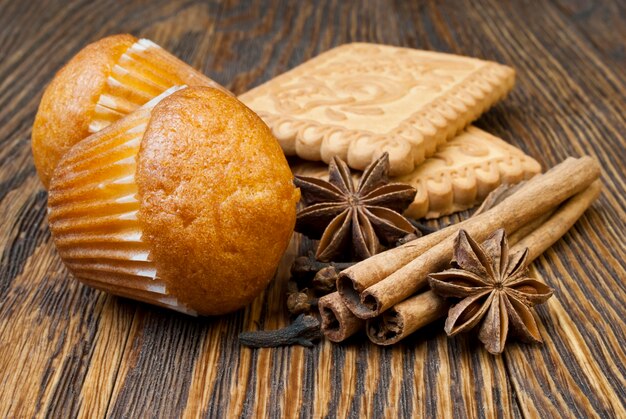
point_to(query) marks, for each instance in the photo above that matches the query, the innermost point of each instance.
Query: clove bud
(325, 280)
(302, 331)
(300, 302)
(304, 268)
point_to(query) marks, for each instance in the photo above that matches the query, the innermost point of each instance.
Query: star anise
(495, 290)
(354, 222)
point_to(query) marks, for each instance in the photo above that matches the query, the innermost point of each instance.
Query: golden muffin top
(218, 204)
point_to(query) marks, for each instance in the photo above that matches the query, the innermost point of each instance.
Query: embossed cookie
(463, 172)
(359, 100)
(460, 175)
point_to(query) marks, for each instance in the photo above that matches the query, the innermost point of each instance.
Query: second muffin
(103, 82)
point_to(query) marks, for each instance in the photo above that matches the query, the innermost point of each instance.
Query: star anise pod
(495, 290)
(354, 222)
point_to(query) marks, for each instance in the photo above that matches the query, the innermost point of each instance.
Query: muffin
(103, 82)
(187, 203)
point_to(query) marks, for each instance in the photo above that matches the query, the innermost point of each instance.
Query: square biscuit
(359, 100)
(458, 176)
(463, 171)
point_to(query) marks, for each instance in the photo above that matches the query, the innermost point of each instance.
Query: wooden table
(68, 350)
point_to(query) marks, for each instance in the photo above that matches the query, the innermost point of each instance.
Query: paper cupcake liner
(143, 72)
(93, 209)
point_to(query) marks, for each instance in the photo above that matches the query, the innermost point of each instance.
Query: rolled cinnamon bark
(528, 203)
(405, 318)
(544, 236)
(352, 284)
(338, 322)
(530, 227)
(410, 315)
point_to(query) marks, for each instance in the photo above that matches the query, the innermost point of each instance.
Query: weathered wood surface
(67, 350)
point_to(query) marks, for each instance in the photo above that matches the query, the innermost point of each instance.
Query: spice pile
(392, 294)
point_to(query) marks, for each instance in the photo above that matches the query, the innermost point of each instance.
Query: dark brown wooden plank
(602, 23)
(66, 350)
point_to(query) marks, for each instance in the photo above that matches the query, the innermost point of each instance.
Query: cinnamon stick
(412, 314)
(374, 269)
(338, 322)
(559, 223)
(405, 318)
(530, 227)
(529, 202)
(356, 279)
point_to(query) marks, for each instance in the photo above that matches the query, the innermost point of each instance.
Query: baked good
(463, 171)
(101, 83)
(187, 203)
(359, 100)
(458, 176)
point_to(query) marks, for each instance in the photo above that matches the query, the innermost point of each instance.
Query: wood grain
(67, 350)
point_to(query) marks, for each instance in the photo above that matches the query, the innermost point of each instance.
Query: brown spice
(341, 323)
(338, 322)
(360, 276)
(300, 302)
(354, 223)
(325, 280)
(321, 277)
(495, 290)
(303, 331)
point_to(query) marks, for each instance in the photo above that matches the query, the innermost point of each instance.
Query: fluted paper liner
(93, 207)
(143, 72)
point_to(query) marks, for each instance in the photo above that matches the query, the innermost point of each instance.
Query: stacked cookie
(359, 100)
(181, 196)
